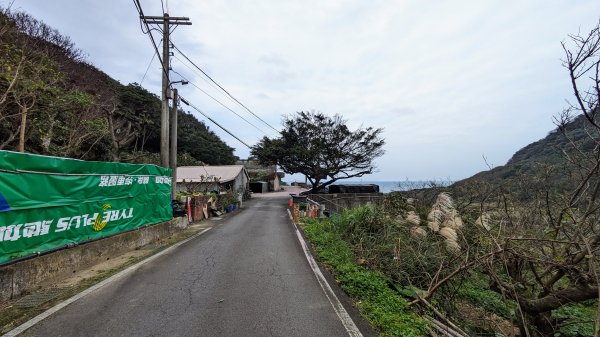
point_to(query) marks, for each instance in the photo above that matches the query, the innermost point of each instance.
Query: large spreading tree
(322, 148)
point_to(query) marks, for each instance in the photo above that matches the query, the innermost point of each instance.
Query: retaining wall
(25, 276)
(339, 201)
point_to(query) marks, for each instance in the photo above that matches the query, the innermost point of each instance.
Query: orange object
(291, 202)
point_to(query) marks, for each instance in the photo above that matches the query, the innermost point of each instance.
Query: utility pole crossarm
(162, 17)
(173, 23)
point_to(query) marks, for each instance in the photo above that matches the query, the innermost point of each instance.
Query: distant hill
(53, 102)
(541, 162)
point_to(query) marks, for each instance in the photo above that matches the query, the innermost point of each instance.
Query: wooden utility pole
(166, 21)
(173, 153)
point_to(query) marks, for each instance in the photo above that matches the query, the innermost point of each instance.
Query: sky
(450, 82)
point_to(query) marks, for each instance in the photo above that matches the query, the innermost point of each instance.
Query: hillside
(541, 162)
(53, 102)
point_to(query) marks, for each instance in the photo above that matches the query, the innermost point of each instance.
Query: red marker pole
(188, 205)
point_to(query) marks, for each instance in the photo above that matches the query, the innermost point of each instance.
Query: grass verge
(382, 306)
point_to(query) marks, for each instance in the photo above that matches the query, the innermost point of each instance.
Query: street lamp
(170, 92)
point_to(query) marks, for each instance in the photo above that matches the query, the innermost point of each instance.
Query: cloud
(448, 81)
(273, 59)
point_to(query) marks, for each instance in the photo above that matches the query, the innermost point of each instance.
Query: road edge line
(338, 307)
(35, 320)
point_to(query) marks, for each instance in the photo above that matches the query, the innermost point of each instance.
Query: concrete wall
(25, 276)
(335, 203)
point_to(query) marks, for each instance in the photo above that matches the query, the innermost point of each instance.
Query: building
(257, 173)
(204, 179)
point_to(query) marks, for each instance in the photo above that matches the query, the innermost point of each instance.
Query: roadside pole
(173, 152)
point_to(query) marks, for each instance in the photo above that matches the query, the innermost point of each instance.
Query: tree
(322, 148)
(53, 102)
(195, 138)
(536, 237)
(542, 233)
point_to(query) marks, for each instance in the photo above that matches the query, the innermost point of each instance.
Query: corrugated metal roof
(208, 173)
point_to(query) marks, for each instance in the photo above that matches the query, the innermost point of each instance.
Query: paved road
(245, 277)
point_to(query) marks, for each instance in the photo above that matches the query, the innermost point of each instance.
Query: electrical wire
(227, 92)
(157, 54)
(149, 64)
(138, 6)
(221, 103)
(195, 72)
(212, 120)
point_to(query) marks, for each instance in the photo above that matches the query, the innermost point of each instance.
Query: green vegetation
(382, 306)
(475, 290)
(52, 102)
(532, 226)
(577, 320)
(379, 258)
(542, 162)
(224, 200)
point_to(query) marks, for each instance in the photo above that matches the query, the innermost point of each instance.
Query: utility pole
(164, 115)
(166, 21)
(173, 153)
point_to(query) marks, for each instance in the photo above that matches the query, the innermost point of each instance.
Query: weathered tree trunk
(537, 325)
(544, 324)
(115, 151)
(47, 137)
(23, 128)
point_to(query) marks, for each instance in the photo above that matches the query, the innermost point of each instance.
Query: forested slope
(54, 102)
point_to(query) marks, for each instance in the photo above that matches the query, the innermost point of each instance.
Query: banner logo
(98, 223)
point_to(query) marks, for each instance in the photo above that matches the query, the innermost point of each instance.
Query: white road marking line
(21, 328)
(333, 299)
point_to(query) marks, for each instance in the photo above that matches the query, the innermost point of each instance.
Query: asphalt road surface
(245, 277)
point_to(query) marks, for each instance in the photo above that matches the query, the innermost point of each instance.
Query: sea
(387, 186)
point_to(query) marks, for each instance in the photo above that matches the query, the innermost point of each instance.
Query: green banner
(50, 202)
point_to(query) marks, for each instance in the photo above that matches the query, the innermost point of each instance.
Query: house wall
(241, 183)
(196, 187)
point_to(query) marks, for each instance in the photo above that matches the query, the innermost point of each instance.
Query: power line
(149, 64)
(227, 92)
(195, 72)
(148, 31)
(223, 105)
(212, 120)
(165, 21)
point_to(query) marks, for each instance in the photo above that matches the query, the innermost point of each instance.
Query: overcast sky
(449, 81)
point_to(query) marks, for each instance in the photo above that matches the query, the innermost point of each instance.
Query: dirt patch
(110, 263)
(486, 320)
